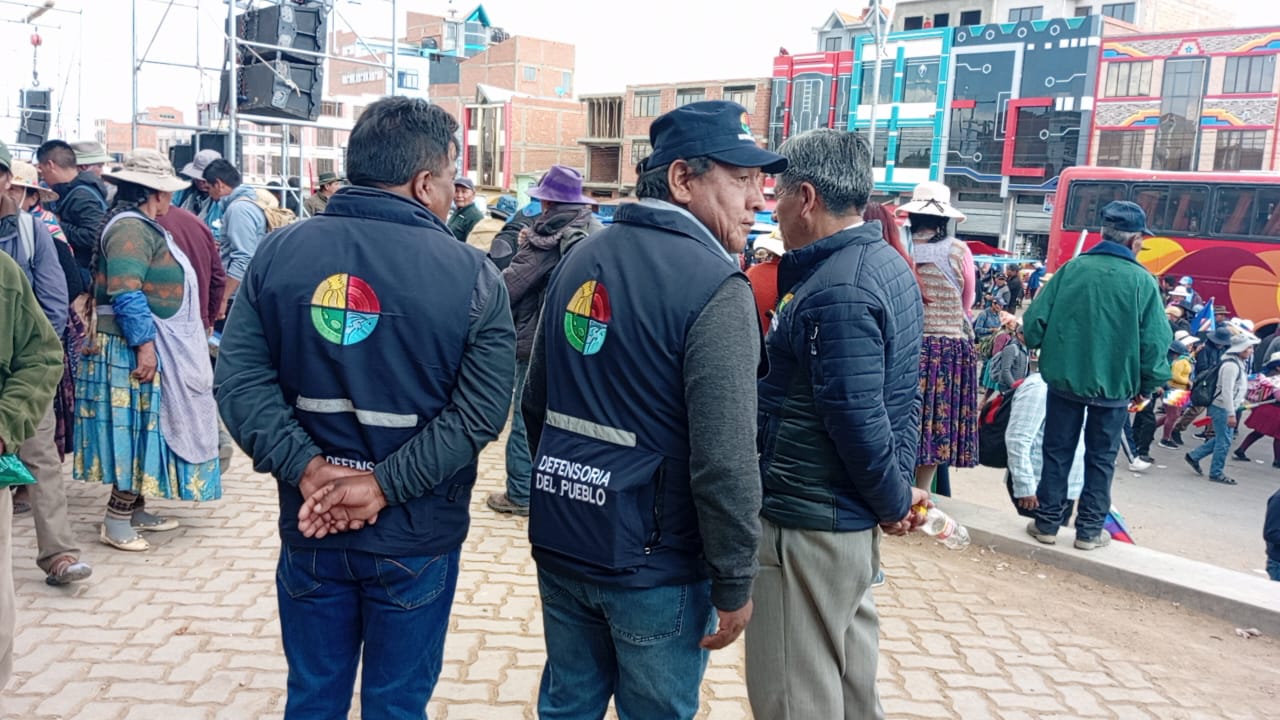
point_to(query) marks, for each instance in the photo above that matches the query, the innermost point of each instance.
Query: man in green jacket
(30, 367)
(1103, 340)
(465, 211)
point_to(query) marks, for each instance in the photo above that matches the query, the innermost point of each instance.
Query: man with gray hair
(640, 402)
(839, 424)
(1107, 346)
(839, 427)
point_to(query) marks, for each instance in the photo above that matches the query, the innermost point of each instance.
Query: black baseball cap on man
(716, 129)
(1125, 217)
(464, 181)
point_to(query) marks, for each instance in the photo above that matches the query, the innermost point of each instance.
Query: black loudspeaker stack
(284, 81)
(33, 122)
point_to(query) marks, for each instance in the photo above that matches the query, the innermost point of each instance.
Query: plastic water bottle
(944, 527)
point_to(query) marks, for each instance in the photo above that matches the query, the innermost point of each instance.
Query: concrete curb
(1238, 598)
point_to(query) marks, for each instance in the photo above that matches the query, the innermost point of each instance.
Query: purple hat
(561, 185)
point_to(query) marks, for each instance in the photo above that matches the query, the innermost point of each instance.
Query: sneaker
(1139, 465)
(501, 503)
(66, 569)
(1195, 465)
(1168, 444)
(1239, 455)
(1043, 537)
(1147, 459)
(1203, 435)
(1176, 438)
(1223, 479)
(1103, 540)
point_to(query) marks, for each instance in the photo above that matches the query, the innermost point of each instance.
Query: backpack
(27, 240)
(992, 423)
(1205, 388)
(276, 216)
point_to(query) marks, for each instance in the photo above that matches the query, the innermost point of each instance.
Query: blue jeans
(1273, 569)
(338, 607)
(1103, 428)
(638, 645)
(519, 462)
(1219, 445)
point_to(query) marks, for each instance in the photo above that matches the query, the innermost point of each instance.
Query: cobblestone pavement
(188, 631)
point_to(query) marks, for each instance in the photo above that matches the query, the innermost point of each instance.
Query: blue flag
(1203, 322)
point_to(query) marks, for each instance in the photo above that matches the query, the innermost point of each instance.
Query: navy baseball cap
(1125, 217)
(716, 129)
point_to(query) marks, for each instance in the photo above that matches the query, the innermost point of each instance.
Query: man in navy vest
(368, 394)
(640, 400)
(839, 428)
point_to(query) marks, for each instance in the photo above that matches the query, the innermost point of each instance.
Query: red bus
(1222, 229)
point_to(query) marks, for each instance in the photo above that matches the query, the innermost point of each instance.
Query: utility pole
(878, 31)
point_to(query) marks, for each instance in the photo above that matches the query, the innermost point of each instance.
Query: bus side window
(1268, 224)
(1234, 205)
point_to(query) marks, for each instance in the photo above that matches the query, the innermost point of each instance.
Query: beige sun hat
(771, 242)
(90, 152)
(25, 175)
(148, 168)
(931, 198)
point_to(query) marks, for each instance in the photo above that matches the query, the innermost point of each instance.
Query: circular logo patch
(344, 309)
(586, 320)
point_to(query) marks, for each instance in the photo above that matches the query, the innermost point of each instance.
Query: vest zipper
(655, 537)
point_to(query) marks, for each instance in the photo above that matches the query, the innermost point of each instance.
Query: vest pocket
(594, 501)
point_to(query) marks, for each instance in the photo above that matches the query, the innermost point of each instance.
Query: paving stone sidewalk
(188, 631)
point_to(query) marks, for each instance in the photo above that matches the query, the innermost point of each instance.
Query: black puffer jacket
(81, 206)
(542, 244)
(840, 407)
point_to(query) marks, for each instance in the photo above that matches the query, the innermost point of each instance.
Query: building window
(685, 96)
(1128, 79)
(1240, 150)
(407, 79)
(1181, 100)
(1121, 11)
(1085, 11)
(647, 104)
(566, 81)
(1120, 148)
(1026, 13)
(640, 149)
(920, 81)
(530, 73)
(971, 17)
(330, 108)
(832, 44)
(1250, 74)
(324, 165)
(324, 137)
(915, 148)
(942, 20)
(744, 96)
(868, 82)
(915, 22)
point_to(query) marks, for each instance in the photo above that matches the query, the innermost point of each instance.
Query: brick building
(117, 137)
(1189, 101)
(616, 133)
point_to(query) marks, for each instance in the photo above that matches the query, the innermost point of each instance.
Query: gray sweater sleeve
(477, 410)
(721, 351)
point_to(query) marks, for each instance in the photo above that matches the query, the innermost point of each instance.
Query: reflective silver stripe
(590, 429)
(365, 417)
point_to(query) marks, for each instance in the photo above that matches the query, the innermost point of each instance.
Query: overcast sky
(86, 59)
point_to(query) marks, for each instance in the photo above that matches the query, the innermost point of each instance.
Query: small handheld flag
(1204, 322)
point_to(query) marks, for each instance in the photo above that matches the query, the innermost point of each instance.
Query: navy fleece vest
(611, 501)
(368, 352)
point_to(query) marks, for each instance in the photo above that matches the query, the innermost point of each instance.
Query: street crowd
(704, 449)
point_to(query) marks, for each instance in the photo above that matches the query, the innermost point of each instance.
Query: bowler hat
(561, 185)
(1125, 217)
(716, 129)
